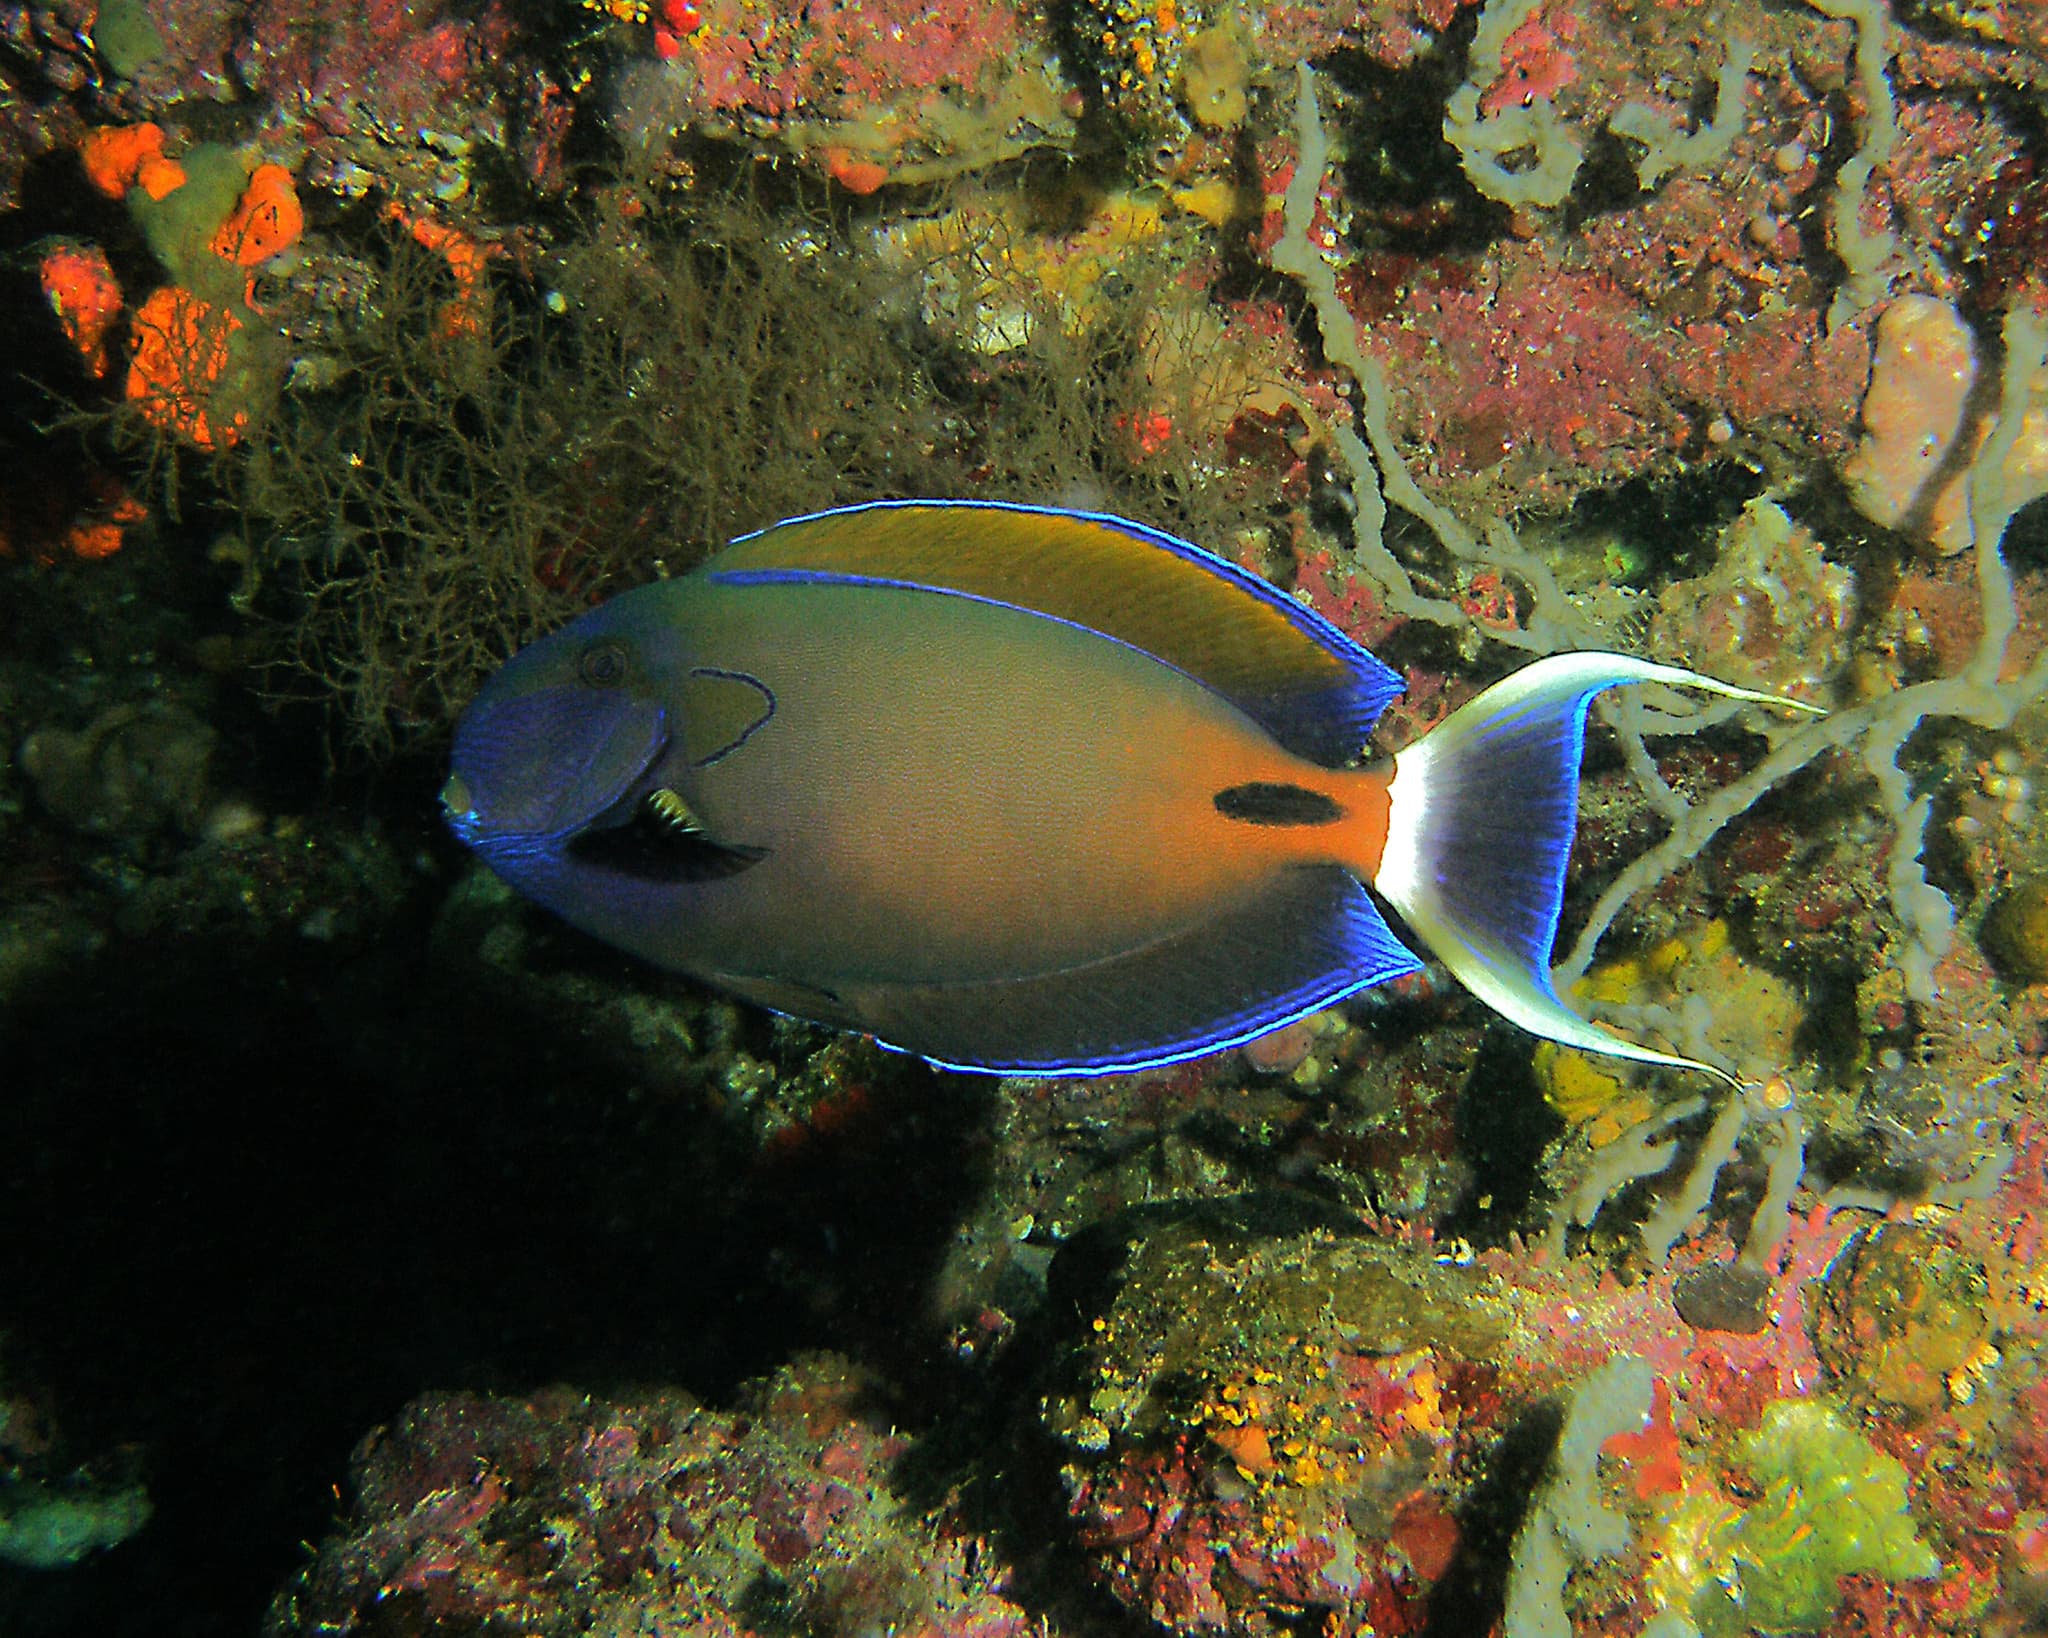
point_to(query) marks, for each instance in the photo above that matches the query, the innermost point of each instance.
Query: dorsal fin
(1286, 667)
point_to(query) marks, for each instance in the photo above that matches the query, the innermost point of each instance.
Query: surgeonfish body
(1025, 791)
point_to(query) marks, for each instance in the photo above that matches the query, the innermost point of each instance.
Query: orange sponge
(264, 221)
(181, 350)
(80, 287)
(119, 157)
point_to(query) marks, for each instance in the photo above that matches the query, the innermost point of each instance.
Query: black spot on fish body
(1261, 803)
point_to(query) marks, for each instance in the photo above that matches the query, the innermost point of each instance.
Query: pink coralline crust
(389, 66)
(1151, 1543)
(1545, 380)
(1393, 33)
(1535, 62)
(1347, 600)
(1539, 376)
(1946, 613)
(2026, 1445)
(1937, 174)
(1977, 1503)
(2006, 221)
(1781, 371)
(833, 58)
(1957, 59)
(1165, 1544)
(1360, 1531)
(563, 1514)
(1560, 360)
(1579, 1316)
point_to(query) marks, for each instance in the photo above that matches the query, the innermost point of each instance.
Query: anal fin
(1309, 938)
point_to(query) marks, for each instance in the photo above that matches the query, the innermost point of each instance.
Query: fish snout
(548, 763)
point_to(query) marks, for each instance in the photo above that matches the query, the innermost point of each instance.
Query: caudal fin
(1483, 808)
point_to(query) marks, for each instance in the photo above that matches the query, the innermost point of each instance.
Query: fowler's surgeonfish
(1024, 790)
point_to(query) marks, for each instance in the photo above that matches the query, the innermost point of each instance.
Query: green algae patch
(127, 37)
(1833, 1504)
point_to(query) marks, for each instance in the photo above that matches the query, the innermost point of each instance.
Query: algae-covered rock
(132, 770)
(1202, 1303)
(2014, 932)
(1903, 1315)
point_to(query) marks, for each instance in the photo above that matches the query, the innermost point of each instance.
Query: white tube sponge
(1863, 254)
(1485, 141)
(1569, 1525)
(1668, 150)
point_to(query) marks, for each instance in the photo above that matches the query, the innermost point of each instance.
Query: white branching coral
(1876, 731)
(2000, 480)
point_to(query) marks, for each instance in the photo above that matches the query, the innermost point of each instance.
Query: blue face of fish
(565, 739)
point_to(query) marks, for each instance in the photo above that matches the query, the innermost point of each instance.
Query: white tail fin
(1483, 808)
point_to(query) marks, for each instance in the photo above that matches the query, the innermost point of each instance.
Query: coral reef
(382, 340)
(566, 1514)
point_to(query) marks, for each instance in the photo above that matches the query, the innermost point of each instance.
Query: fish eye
(603, 665)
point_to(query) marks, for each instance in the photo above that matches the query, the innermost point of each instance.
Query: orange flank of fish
(120, 157)
(79, 284)
(265, 220)
(181, 350)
